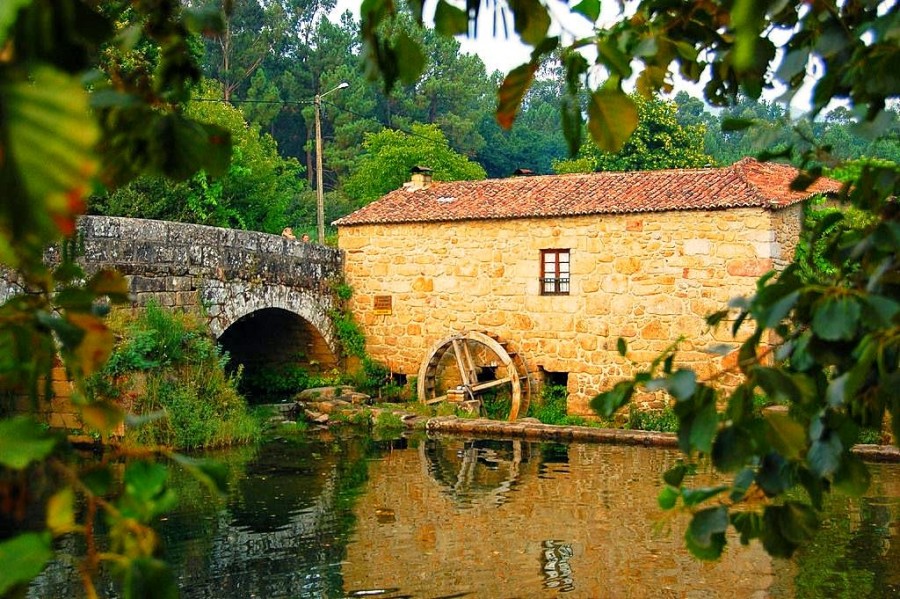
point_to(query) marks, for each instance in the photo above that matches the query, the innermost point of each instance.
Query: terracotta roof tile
(747, 183)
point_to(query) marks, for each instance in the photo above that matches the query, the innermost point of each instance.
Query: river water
(449, 517)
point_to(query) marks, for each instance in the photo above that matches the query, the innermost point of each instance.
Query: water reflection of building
(580, 523)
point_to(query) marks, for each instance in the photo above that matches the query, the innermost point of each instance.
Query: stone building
(560, 267)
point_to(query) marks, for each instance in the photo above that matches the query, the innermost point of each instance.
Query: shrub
(388, 422)
(169, 371)
(353, 343)
(663, 421)
(372, 377)
(551, 407)
(343, 291)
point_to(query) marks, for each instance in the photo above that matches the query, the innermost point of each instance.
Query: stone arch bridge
(267, 299)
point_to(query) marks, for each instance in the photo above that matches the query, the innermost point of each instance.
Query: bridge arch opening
(279, 353)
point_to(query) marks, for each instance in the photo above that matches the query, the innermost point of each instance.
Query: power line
(388, 126)
(255, 101)
(309, 102)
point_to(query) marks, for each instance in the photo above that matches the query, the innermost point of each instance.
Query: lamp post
(320, 196)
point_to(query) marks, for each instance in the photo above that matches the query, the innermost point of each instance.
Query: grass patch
(387, 425)
(551, 406)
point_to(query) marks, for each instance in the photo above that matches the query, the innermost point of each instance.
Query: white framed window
(555, 269)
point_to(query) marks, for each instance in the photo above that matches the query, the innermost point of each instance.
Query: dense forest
(261, 73)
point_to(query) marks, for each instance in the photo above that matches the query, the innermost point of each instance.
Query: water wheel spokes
(477, 366)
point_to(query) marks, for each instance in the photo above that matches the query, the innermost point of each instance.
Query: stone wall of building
(648, 278)
(787, 224)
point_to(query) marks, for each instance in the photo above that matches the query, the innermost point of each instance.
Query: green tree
(255, 193)
(660, 141)
(693, 112)
(251, 32)
(389, 156)
(537, 139)
(839, 131)
(266, 101)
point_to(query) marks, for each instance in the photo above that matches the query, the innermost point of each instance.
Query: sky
(497, 52)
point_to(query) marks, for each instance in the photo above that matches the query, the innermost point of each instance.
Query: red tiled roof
(747, 183)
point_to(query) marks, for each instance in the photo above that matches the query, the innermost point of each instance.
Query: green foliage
(663, 421)
(391, 154)
(495, 404)
(343, 291)
(536, 140)
(25, 556)
(660, 141)
(551, 408)
(820, 222)
(372, 377)
(57, 141)
(350, 336)
(388, 423)
(173, 375)
(23, 441)
(257, 191)
(280, 382)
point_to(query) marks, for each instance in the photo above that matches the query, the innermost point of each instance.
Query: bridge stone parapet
(232, 273)
(148, 249)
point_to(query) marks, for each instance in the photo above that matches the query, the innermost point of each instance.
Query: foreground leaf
(608, 402)
(103, 417)
(532, 21)
(148, 577)
(511, 92)
(667, 497)
(61, 511)
(450, 20)
(696, 496)
(23, 557)
(146, 494)
(95, 345)
(785, 434)
(211, 473)
(836, 318)
(612, 117)
(51, 141)
(706, 534)
(22, 441)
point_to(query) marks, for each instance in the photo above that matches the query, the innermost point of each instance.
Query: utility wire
(332, 104)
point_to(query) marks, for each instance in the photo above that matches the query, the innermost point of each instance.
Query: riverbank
(326, 411)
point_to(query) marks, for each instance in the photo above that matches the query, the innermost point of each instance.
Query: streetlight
(320, 196)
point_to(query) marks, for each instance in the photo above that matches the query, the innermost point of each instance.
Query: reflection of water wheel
(475, 471)
(474, 365)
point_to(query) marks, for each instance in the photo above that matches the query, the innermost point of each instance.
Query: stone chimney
(420, 178)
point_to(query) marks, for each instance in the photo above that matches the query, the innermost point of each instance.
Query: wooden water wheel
(474, 366)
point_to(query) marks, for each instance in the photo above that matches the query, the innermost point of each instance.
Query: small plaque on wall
(383, 304)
